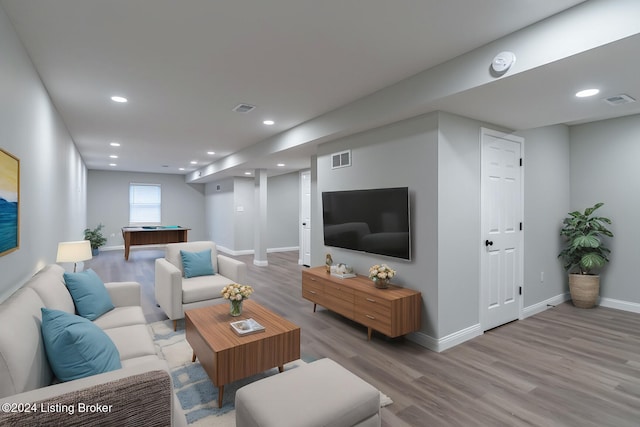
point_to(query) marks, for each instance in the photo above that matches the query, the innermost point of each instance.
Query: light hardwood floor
(563, 367)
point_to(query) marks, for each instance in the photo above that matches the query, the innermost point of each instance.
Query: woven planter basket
(584, 289)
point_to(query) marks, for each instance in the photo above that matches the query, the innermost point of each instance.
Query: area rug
(195, 391)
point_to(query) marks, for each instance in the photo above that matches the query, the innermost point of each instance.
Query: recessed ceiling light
(211, 153)
(280, 165)
(112, 164)
(269, 122)
(180, 169)
(194, 162)
(247, 173)
(115, 144)
(113, 156)
(120, 99)
(587, 92)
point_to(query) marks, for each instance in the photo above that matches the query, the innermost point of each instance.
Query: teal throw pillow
(75, 347)
(197, 263)
(89, 294)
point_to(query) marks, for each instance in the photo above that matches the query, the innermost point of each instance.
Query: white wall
(604, 168)
(108, 202)
(52, 173)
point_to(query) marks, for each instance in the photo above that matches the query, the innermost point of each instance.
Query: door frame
(491, 132)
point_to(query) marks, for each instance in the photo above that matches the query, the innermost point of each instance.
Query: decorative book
(246, 327)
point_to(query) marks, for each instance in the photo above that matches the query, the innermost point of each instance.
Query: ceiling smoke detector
(621, 99)
(244, 108)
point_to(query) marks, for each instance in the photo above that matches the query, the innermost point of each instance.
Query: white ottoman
(321, 393)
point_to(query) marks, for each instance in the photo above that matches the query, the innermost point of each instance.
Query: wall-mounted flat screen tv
(374, 221)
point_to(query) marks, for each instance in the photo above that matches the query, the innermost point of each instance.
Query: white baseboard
(543, 305)
(112, 248)
(441, 344)
(617, 304)
(633, 307)
(232, 252)
(284, 249)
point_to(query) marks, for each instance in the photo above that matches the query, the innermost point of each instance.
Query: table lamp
(74, 252)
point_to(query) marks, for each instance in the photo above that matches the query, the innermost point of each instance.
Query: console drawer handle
(371, 300)
(312, 292)
(370, 317)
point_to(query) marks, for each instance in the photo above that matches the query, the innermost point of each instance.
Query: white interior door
(305, 220)
(502, 235)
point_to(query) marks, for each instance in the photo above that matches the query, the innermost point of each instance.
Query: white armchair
(176, 293)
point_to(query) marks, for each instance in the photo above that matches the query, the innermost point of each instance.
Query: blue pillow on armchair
(197, 263)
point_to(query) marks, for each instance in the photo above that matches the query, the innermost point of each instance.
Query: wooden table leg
(281, 368)
(193, 358)
(369, 331)
(220, 394)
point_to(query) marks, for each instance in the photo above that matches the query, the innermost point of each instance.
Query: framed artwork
(9, 203)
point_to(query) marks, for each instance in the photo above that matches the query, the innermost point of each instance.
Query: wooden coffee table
(226, 356)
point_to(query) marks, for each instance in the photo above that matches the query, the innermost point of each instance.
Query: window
(144, 203)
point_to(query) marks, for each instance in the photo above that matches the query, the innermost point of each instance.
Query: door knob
(488, 243)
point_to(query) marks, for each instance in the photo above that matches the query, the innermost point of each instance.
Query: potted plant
(95, 237)
(585, 254)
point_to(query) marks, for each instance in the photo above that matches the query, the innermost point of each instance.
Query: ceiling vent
(244, 108)
(341, 159)
(619, 99)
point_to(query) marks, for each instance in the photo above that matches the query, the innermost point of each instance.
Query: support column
(260, 218)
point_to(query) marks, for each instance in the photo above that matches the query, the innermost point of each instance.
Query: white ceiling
(184, 65)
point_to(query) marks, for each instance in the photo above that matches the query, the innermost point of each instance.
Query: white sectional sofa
(140, 392)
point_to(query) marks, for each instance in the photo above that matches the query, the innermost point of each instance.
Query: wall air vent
(341, 159)
(619, 99)
(244, 108)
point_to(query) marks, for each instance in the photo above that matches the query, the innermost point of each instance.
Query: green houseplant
(585, 253)
(95, 237)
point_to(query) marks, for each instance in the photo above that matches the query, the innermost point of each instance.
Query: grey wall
(52, 174)
(244, 197)
(108, 202)
(403, 154)
(604, 168)
(219, 212)
(458, 223)
(283, 203)
(438, 157)
(230, 212)
(547, 194)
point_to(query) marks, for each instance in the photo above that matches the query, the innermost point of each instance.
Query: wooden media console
(393, 311)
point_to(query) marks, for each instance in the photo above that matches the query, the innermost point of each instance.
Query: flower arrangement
(381, 274)
(236, 292)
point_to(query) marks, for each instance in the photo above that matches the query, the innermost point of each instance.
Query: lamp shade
(74, 251)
